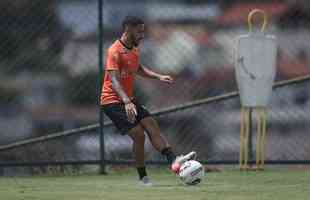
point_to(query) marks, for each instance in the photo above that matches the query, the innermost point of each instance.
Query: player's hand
(166, 79)
(131, 111)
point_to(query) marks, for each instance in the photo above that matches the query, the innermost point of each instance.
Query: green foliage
(83, 89)
(31, 33)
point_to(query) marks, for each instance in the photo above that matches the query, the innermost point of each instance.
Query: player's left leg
(158, 140)
(160, 143)
(153, 131)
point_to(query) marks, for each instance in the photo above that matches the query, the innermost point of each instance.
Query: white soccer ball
(191, 172)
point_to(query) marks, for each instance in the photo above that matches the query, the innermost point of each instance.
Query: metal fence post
(100, 63)
(250, 153)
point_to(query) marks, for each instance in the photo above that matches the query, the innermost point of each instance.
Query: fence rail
(154, 113)
(160, 112)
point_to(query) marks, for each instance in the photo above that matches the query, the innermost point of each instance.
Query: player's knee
(154, 133)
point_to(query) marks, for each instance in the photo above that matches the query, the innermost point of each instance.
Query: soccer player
(117, 101)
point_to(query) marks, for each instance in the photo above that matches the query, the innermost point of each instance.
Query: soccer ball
(191, 172)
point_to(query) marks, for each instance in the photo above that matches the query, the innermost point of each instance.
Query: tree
(30, 35)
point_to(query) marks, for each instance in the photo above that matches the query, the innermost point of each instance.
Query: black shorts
(117, 113)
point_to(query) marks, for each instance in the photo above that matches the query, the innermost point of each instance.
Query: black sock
(169, 154)
(141, 172)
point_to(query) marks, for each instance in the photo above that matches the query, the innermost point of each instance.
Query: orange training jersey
(124, 60)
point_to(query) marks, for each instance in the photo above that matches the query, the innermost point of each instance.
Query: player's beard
(133, 40)
(136, 42)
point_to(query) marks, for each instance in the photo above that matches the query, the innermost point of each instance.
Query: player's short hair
(131, 21)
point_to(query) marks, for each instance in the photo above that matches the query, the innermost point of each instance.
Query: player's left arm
(147, 73)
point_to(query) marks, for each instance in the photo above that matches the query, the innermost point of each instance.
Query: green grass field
(272, 184)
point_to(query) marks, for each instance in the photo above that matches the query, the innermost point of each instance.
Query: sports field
(230, 184)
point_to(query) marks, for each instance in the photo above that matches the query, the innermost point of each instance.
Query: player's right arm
(114, 74)
(129, 106)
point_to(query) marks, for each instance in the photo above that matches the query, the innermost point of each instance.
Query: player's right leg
(160, 143)
(138, 138)
(117, 113)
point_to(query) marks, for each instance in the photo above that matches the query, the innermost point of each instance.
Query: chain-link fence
(210, 127)
(49, 70)
(49, 77)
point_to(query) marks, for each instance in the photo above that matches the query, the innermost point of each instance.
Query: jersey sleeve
(113, 60)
